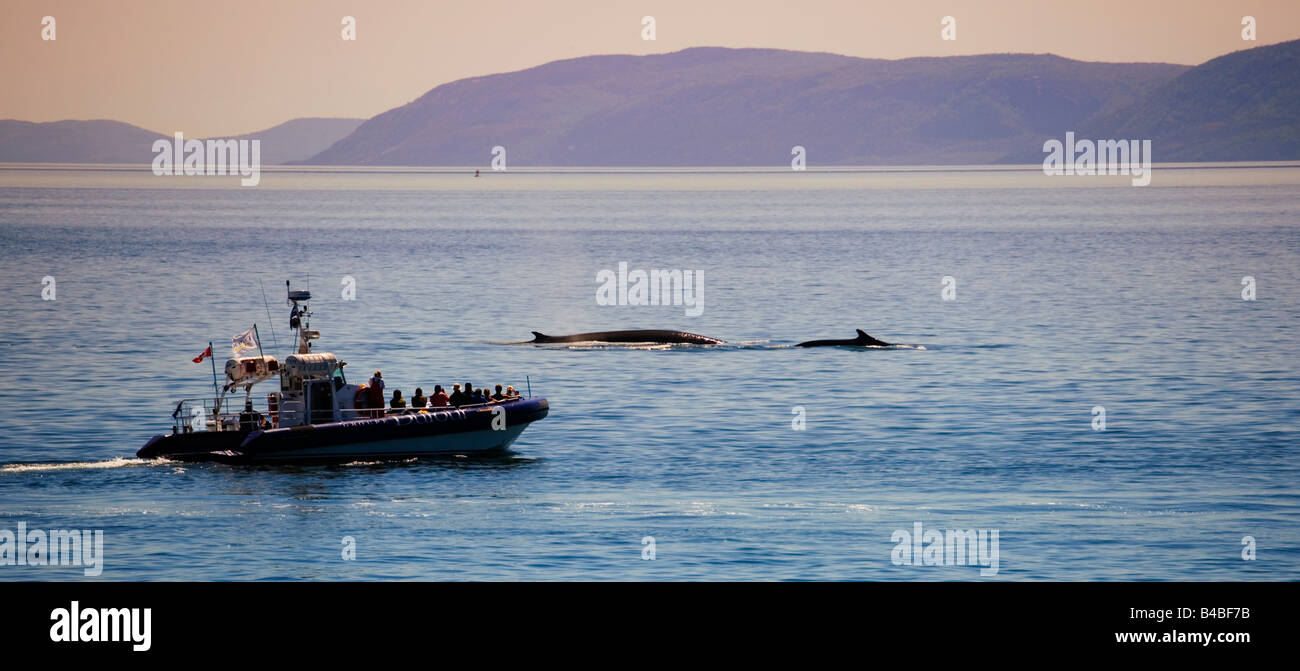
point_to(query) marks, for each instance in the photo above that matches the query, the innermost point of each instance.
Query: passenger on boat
(470, 393)
(457, 397)
(249, 419)
(376, 389)
(419, 401)
(510, 392)
(439, 398)
(398, 403)
(498, 396)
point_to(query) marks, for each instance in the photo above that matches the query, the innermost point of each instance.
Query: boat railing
(191, 415)
(227, 414)
(366, 413)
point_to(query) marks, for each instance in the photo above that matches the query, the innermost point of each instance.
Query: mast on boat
(300, 317)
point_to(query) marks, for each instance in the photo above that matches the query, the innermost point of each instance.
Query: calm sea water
(1070, 294)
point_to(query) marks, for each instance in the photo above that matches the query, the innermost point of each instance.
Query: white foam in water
(380, 462)
(118, 462)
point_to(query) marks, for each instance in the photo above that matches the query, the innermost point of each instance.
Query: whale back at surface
(668, 336)
(630, 336)
(863, 340)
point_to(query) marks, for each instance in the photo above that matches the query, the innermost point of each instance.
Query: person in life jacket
(376, 390)
(249, 419)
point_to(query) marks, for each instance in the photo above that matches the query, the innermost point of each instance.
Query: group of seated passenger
(458, 397)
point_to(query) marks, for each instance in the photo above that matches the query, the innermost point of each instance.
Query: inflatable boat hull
(474, 429)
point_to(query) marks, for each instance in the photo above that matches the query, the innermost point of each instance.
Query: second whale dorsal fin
(862, 334)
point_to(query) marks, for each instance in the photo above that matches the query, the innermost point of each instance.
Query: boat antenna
(258, 337)
(530, 386)
(269, 319)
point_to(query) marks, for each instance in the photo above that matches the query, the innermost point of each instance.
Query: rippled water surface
(1069, 295)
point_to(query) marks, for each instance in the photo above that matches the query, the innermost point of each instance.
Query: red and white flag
(206, 353)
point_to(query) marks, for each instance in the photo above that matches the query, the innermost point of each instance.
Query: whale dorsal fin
(862, 334)
(538, 334)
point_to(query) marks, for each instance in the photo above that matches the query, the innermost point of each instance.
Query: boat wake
(379, 462)
(118, 462)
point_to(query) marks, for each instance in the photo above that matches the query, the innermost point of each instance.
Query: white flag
(243, 341)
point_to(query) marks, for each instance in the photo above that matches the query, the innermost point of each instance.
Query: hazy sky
(235, 66)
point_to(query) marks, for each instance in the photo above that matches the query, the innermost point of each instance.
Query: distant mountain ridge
(1243, 106)
(299, 139)
(711, 106)
(95, 141)
(104, 141)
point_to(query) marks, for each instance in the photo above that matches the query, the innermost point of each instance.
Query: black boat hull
(473, 429)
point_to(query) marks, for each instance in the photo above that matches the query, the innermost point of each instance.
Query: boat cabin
(309, 389)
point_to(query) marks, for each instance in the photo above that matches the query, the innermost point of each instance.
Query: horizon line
(631, 170)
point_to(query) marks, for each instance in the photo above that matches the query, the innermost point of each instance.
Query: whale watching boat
(317, 415)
